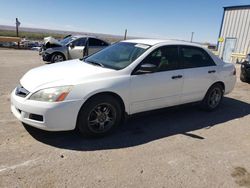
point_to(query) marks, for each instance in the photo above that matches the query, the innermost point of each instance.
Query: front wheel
(212, 98)
(57, 57)
(99, 116)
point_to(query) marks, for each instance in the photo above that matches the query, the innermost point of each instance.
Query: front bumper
(50, 116)
(46, 56)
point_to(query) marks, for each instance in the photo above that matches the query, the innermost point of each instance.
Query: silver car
(71, 47)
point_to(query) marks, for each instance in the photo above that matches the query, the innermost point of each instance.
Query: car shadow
(146, 127)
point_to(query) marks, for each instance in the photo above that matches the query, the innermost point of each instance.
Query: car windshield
(117, 56)
(67, 40)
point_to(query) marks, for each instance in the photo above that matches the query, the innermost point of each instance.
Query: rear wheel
(213, 97)
(99, 116)
(57, 57)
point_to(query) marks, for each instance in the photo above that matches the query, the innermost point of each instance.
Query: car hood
(52, 40)
(64, 73)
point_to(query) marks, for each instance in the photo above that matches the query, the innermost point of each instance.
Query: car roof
(153, 42)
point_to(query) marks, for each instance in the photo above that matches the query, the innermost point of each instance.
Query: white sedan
(94, 94)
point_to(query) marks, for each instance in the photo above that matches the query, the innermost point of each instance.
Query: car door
(76, 48)
(95, 45)
(199, 72)
(160, 88)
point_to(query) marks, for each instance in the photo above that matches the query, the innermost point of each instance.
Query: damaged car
(71, 47)
(245, 70)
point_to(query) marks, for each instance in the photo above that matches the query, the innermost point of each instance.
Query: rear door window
(97, 42)
(192, 57)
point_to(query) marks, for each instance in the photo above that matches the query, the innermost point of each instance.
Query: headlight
(54, 94)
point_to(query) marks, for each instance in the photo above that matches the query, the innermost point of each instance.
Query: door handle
(177, 77)
(174, 77)
(211, 71)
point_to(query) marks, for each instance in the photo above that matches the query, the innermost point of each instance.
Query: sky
(167, 19)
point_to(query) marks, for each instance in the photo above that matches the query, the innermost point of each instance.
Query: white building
(234, 37)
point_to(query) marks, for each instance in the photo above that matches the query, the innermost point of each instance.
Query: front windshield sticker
(142, 46)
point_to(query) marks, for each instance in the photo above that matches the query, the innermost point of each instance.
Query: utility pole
(125, 35)
(17, 26)
(17, 32)
(192, 35)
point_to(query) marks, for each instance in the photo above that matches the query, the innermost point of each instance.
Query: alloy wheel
(215, 97)
(101, 118)
(58, 58)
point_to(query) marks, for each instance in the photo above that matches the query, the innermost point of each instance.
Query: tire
(57, 57)
(212, 98)
(99, 116)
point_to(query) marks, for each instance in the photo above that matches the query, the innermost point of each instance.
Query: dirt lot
(174, 147)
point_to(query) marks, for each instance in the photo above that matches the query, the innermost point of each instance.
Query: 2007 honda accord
(94, 94)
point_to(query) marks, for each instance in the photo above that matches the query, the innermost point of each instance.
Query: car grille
(21, 91)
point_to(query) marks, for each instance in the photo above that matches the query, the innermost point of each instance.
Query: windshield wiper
(95, 63)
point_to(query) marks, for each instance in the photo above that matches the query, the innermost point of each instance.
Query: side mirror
(71, 45)
(146, 68)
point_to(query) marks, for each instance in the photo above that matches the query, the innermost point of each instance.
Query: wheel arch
(220, 83)
(109, 93)
(217, 82)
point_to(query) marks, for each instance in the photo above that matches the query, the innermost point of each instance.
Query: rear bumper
(50, 116)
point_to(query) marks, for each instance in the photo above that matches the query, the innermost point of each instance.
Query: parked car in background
(245, 70)
(35, 48)
(71, 47)
(94, 94)
(29, 44)
(7, 44)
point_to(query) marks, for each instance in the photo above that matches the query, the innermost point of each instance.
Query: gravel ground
(174, 147)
